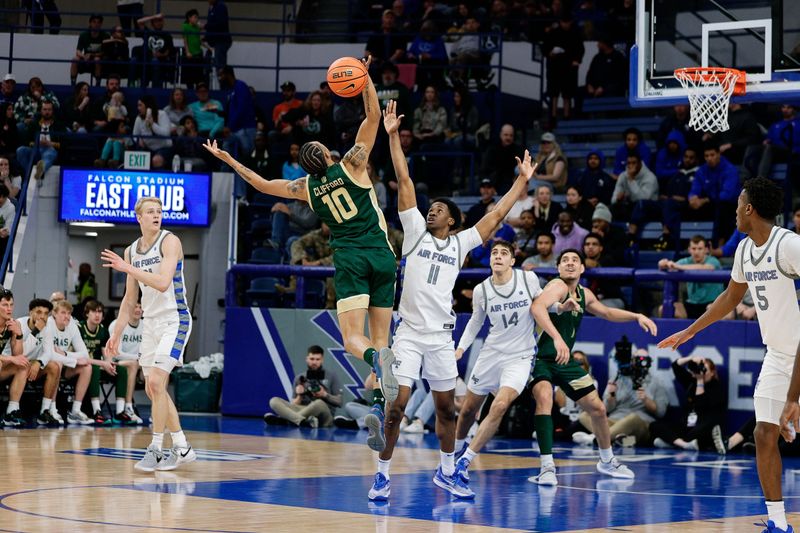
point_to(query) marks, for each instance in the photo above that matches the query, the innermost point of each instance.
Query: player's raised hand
(367, 60)
(390, 119)
(790, 420)
(647, 324)
(525, 167)
(219, 153)
(676, 339)
(112, 260)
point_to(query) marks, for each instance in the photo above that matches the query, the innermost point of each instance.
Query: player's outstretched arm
(406, 197)
(486, 225)
(475, 322)
(719, 308)
(599, 309)
(369, 126)
(554, 292)
(295, 190)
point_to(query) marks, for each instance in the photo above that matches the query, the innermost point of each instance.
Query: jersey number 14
(513, 320)
(340, 204)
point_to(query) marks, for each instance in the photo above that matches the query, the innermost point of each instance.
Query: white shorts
(433, 353)
(493, 370)
(164, 341)
(773, 384)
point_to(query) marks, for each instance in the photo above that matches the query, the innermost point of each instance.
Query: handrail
(671, 280)
(23, 194)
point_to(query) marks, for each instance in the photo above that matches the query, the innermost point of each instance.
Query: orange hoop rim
(714, 74)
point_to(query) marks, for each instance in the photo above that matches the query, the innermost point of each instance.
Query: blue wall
(264, 348)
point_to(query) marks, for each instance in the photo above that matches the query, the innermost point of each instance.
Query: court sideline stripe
(3, 505)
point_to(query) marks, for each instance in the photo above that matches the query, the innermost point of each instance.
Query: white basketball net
(709, 93)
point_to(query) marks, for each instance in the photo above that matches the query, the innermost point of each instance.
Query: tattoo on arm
(356, 156)
(297, 188)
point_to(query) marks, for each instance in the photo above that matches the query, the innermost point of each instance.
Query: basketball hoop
(709, 90)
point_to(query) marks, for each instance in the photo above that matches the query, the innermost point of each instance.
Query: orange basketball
(347, 76)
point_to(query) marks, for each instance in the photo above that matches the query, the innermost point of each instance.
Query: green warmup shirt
(95, 341)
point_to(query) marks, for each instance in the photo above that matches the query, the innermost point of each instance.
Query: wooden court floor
(253, 478)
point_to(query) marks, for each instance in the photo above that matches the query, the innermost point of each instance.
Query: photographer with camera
(633, 400)
(317, 394)
(705, 407)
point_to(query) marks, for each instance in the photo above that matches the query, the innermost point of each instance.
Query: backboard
(760, 37)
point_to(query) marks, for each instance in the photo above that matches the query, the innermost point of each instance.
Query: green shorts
(570, 378)
(365, 277)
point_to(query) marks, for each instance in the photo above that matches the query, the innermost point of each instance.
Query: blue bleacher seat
(648, 259)
(608, 125)
(262, 292)
(315, 293)
(610, 103)
(690, 229)
(261, 226)
(651, 230)
(779, 172)
(265, 256)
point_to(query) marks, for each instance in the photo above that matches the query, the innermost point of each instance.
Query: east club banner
(98, 195)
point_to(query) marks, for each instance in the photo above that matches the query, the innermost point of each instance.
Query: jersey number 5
(763, 303)
(340, 204)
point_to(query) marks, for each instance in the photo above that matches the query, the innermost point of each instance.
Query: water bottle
(176, 163)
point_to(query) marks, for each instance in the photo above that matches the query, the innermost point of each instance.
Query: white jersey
(130, 340)
(154, 302)
(508, 306)
(32, 345)
(770, 271)
(69, 341)
(430, 272)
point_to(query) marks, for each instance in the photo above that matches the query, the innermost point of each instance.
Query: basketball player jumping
(424, 338)
(767, 262)
(342, 196)
(154, 264)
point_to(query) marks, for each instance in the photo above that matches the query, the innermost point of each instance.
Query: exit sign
(137, 160)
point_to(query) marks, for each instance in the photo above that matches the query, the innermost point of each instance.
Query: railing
(7, 263)
(671, 280)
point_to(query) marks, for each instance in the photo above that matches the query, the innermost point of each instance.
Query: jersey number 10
(340, 204)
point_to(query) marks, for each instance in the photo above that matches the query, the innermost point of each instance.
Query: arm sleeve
(790, 254)
(469, 239)
(681, 375)
(618, 188)
(413, 227)
(729, 248)
(476, 320)
(335, 394)
(737, 273)
(163, 126)
(697, 187)
(78, 345)
(730, 185)
(661, 398)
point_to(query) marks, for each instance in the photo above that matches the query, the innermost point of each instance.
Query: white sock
(12, 406)
(606, 455)
(45, 404)
(459, 444)
(547, 460)
(95, 404)
(777, 514)
(129, 406)
(120, 405)
(469, 455)
(158, 440)
(53, 406)
(76, 406)
(383, 467)
(179, 439)
(447, 462)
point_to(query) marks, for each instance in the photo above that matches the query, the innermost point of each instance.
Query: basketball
(347, 76)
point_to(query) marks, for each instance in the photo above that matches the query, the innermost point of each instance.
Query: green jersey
(567, 325)
(95, 341)
(350, 209)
